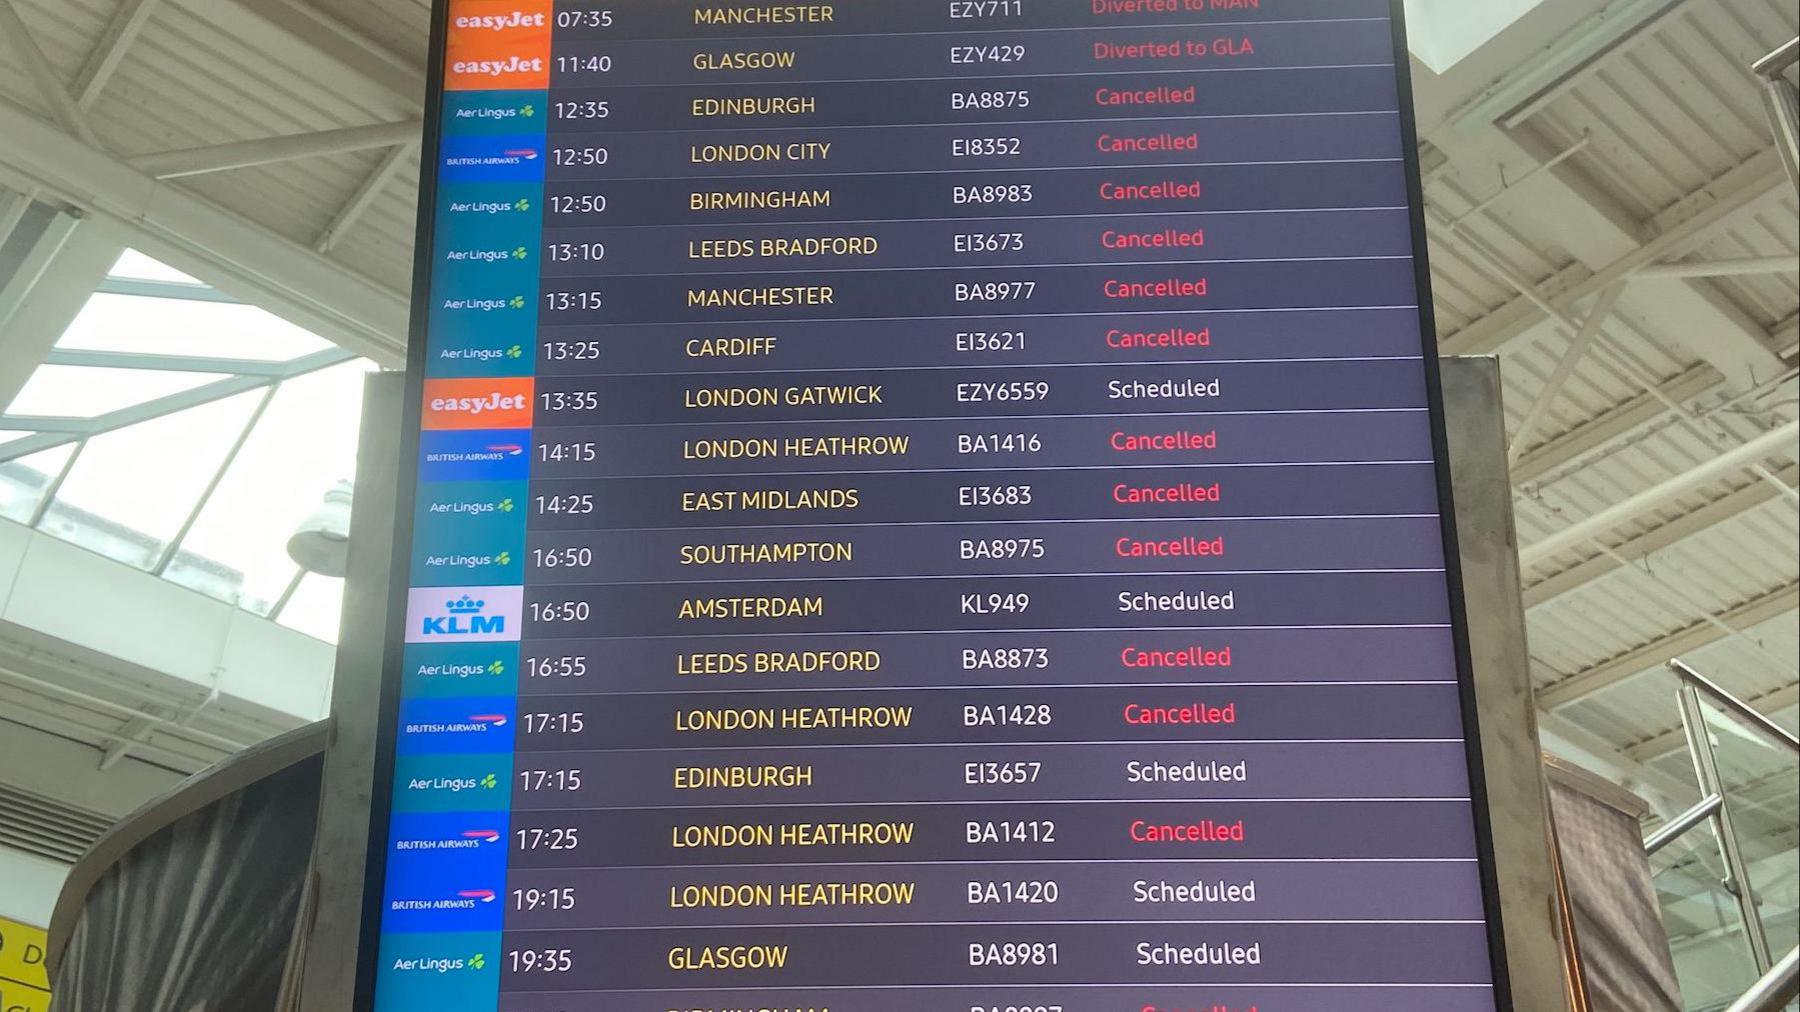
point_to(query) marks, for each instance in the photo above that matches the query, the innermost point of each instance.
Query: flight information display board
(925, 505)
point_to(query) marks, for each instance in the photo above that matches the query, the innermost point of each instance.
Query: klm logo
(464, 614)
(463, 617)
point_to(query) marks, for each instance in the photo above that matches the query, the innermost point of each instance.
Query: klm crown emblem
(463, 617)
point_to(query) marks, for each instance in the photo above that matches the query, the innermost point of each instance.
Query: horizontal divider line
(1003, 861)
(1021, 366)
(749, 806)
(967, 170)
(865, 472)
(975, 522)
(1197, 415)
(1167, 311)
(973, 80)
(1007, 687)
(921, 268)
(1134, 743)
(969, 576)
(1009, 217)
(1196, 630)
(1264, 22)
(828, 925)
(976, 124)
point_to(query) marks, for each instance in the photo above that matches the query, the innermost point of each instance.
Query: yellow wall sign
(24, 984)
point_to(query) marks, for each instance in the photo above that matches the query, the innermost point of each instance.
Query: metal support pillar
(1512, 756)
(328, 979)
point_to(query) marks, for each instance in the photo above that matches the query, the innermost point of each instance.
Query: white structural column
(76, 254)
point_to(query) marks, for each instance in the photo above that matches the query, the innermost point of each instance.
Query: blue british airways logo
(492, 159)
(474, 455)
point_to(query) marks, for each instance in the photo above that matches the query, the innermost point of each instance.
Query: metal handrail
(1781, 101)
(1783, 57)
(1776, 988)
(1682, 823)
(1744, 712)
(1713, 808)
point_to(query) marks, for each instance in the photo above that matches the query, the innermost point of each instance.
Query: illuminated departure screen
(925, 505)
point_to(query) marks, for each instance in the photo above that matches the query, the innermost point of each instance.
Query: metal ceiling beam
(1721, 268)
(165, 290)
(166, 363)
(365, 195)
(301, 25)
(121, 31)
(267, 150)
(1774, 443)
(43, 76)
(59, 432)
(331, 299)
(1551, 71)
(1657, 652)
(1601, 232)
(1613, 424)
(1705, 518)
(1704, 211)
(13, 207)
(1565, 367)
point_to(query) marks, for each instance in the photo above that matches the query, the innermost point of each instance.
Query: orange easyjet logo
(503, 403)
(498, 45)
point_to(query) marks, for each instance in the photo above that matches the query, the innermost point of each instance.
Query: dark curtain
(200, 916)
(1618, 922)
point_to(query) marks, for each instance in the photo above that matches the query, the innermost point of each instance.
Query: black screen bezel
(407, 480)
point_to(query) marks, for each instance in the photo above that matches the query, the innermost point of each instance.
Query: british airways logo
(474, 455)
(468, 614)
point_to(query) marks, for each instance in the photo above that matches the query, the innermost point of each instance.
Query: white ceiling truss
(1615, 217)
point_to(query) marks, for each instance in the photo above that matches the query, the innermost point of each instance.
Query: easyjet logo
(482, 403)
(502, 44)
(498, 68)
(501, 22)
